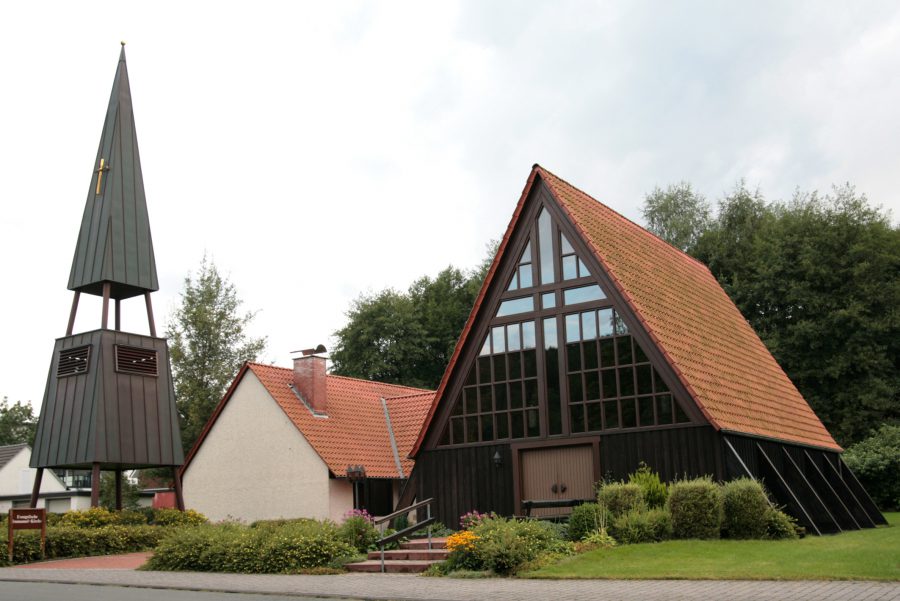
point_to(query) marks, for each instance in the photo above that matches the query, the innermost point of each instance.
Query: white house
(286, 443)
(16, 480)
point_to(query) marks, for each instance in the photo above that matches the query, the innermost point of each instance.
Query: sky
(320, 151)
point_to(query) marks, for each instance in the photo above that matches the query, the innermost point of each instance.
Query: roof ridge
(630, 221)
(376, 382)
(406, 396)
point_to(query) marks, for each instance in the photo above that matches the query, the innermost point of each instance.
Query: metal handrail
(403, 511)
(428, 521)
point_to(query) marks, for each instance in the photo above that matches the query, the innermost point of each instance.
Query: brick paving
(127, 561)
(408, 587)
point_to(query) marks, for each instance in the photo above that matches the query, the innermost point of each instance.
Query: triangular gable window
(554, 318)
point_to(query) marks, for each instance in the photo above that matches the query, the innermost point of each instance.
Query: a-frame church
(593, 346)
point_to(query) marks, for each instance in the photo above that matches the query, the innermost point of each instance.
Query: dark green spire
(114, 243)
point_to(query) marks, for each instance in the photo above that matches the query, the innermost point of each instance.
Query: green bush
(621, 498)
(95, 517)
(174, 517)
(504, 545)
(746, 508)
(359, 532)
(696, 508)
(130, 518)
(71, 541)
(642, 526)
(290, 548)
(586, 519)
(876, 462)
(655, 492)
(780, 526)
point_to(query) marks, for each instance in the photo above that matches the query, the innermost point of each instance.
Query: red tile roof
(355, 430)
(723, 364)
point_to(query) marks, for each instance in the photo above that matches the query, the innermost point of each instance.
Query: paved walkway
(409, 587)
(128, 561)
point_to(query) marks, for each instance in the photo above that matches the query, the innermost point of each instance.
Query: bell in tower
(109, 403)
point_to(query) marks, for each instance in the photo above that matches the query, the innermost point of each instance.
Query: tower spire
(114, 244)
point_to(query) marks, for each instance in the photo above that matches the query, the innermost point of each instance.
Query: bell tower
(109, 403)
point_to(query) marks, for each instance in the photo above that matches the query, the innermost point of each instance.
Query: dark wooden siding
(108, 417)
(672, 452)
(464, 479)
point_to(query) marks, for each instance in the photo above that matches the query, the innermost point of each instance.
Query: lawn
(872, 554)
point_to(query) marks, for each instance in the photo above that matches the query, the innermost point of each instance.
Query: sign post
(27, 519)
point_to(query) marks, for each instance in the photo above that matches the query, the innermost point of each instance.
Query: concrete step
(422, 543)
(393, 566)
(412, 554)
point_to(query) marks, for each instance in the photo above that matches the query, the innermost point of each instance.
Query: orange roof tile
(355, 430)
(723, 364)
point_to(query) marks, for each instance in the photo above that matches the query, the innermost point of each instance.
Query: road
(44, 591)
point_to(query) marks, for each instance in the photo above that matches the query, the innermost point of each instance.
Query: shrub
(174, 517)
(358, 530)
(655, 492)
(130, 517)
(696, 508)
(95, 517)
(469, 520)
(290, 548)
(71, 541)
(586, 519)
(647, 526)
(746, 508)
(876, 462)
(620, 497)
(780, 526)
(503, 545)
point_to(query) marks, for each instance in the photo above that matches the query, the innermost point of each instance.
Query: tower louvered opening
(73, 362)
(136, 360)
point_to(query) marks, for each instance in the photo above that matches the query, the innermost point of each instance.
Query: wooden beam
(118, 486)
(821, 477)
(104, 319)
(788, 489)
(179, 496)
(861, 494)
(838, 481)
(95, 485)
(36, 489)
(811, 488)
(72, 313)
(118, 320)
(150, 320)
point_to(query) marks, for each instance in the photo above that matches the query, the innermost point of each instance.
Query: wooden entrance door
(557, 473)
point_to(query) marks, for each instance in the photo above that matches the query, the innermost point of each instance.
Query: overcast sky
(319, 151)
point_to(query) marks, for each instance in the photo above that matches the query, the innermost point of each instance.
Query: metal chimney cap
(312, 351)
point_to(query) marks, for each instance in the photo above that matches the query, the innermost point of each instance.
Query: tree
(677, 214)
(209, 343)
(818, 278)
(130, 494)
(408, 337)
(17, 423)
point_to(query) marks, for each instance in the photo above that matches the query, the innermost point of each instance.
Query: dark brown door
(556, 474)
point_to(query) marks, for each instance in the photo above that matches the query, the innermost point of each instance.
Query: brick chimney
(309, 379)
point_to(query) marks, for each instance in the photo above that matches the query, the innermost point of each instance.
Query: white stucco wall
(255, 464)
(17, 478)
(341, 498)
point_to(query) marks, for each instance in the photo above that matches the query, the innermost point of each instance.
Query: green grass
(871, 554)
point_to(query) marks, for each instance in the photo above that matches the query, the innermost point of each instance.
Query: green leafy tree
(17, 423)
(208, 344)
(408, 337)
(818, 278)
(677, 214)
(108, 492)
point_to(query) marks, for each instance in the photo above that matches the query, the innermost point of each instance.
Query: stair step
(393, 566)
(412, 554)
(422, 543)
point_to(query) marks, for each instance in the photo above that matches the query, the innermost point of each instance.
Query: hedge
(620, 498)
(70, 541)
(746, 509)
(696, 508)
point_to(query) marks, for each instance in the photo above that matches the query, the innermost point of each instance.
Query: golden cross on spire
(99, 173)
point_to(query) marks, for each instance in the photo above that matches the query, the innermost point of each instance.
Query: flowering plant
(462, 541)
(359, 513)
(473, 518)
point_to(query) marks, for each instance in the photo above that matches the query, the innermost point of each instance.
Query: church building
(594, 346)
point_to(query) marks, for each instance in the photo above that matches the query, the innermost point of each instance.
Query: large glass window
(611, 383)
(500, 397)
(596, 375)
